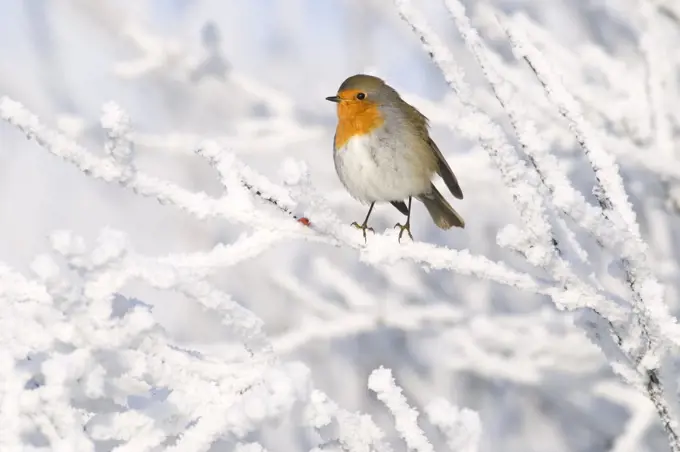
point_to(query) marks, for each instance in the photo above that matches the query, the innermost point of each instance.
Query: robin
(383, 153)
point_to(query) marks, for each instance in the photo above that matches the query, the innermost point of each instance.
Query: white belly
(377, 170)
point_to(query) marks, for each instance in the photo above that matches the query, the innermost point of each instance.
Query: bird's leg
(406, 226)
(364, 225)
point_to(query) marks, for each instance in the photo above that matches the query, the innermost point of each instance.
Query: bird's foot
(404, 227)
(363, 227)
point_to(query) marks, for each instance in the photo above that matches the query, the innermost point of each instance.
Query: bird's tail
(443, 215)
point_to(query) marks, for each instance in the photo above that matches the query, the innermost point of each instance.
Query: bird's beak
(333, 98)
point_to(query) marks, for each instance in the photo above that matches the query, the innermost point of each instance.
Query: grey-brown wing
(444, 170)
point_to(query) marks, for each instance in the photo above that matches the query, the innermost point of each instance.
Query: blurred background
(253, 75)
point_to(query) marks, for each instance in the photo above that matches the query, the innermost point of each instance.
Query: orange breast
(356, 118)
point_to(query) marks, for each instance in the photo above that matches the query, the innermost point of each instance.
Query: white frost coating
(405, 416)
(249, 447)
(644, 344)
(355, 432)
(648, 294)
(320, 410)
(461, 261)
(359, 433)
(119, 141)
(241, 180)
(198, 204)
(523, 184)
(660, 72)
(294, 171)
(114, 118)
(604, 165)
(105, 338)
(462, 427)
(535, 243)
(535, 239)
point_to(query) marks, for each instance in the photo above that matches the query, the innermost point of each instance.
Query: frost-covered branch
(113, 347)
(652, 314)
(462, 428)
(615, 224)
(112, 170)
(241, 182)
(536, 241)
(382, 383)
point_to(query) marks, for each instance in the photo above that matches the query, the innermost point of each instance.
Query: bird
(383, 152)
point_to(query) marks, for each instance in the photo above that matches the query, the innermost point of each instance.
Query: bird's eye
(361, 96)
